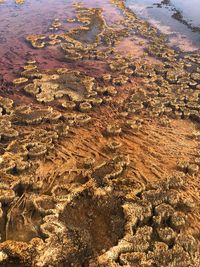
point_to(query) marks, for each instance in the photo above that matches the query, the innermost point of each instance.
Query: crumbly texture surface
(99, 157)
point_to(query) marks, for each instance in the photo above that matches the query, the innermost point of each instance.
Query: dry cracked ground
(99, 157)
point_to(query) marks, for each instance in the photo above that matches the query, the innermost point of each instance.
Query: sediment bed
(99, 155)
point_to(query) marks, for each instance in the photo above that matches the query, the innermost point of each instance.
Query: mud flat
(99, 142)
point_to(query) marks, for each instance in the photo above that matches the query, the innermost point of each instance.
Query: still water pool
(20, 18)
(179, 19)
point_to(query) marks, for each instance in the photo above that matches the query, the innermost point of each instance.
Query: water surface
(17, 21)
(178, 19)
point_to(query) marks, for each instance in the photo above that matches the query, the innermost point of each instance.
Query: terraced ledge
(99, 158)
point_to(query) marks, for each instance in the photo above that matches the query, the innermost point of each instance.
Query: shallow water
(17, 21)
(35, 17)
(190, 10)
(178, 19)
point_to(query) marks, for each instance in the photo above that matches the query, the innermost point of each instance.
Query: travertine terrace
(99, 154)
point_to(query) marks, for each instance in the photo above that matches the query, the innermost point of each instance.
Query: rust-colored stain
(99, 139)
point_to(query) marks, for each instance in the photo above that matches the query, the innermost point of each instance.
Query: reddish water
(35, 17)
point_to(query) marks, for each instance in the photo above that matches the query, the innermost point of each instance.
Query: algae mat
(99, 139)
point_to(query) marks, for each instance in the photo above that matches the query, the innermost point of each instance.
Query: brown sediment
(99, 152)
